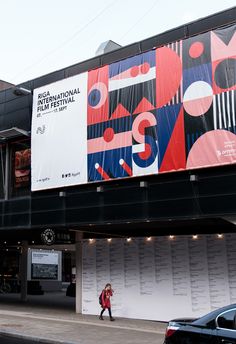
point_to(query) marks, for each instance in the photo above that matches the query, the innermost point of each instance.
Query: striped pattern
(224, 110)
(191, 139)
(177, 98)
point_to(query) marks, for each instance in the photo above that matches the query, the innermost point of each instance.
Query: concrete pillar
(23, 270)
(78, 260)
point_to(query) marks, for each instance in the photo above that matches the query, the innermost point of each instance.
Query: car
(216, 327)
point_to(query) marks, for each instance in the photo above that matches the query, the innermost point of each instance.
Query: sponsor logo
(41, 130)
(69, 175)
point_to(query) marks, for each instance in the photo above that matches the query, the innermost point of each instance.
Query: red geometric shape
(143, 125)
(101, 172)
(97, 114)
(145, 67)
(168, 75)
(143, 106)
(146, 153)
(144, 119)
(197, 107)
(220, 50)
(216, 147)
(134, 71)
(108, 134)
(175, 155)
(198, 98)
(126, 167)
(119, 112)
(196, 50)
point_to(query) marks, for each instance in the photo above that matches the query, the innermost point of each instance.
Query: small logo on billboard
(41, 130)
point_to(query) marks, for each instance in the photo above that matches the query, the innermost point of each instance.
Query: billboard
(168, 109)
(44, 264)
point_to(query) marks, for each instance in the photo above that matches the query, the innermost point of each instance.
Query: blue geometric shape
(94, 97)
(166, 119)
(200, 73)
(119, 125)
(121, 66)
(110, 163)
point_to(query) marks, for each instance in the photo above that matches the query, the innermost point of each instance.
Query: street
(113, 337)
(13, 340)
(89, 334)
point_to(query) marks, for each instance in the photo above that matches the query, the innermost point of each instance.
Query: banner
(168, 109)
(59, 134)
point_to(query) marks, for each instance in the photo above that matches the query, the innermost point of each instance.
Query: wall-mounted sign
(45, 265)
(48, 236)
(168, 109)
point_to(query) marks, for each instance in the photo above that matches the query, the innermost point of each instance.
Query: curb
(45, 340)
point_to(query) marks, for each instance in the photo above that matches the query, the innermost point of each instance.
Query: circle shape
(225, 73)
(94, 97)
(48, 236)
(108, 134)
(198, 98)
(97, 95)
(143, 125)
(134, 71)
(196, 50)
(145, 67)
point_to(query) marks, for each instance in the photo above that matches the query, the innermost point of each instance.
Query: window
(227, 320)
(2, 169)
(20, 169)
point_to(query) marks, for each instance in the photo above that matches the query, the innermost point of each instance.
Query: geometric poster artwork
(169, 109)
(160, 278)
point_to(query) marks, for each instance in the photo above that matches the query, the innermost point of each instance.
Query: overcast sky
(39, 37)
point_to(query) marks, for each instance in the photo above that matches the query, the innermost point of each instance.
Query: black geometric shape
(225, 73)
(205, 57)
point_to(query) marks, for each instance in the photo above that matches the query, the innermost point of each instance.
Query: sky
(39, 37)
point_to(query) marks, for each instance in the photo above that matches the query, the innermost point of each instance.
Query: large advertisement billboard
(168, 109)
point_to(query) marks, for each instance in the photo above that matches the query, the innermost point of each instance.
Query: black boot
(112, 319)
(101, 317)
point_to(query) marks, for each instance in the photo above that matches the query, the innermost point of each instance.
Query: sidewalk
(58, 323)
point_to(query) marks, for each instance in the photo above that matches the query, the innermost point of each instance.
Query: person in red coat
(106, 302)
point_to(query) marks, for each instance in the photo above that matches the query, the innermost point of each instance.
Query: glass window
(2, 169)
(20, 168)
(227, 320)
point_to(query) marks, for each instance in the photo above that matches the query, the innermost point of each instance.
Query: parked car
(216, 327)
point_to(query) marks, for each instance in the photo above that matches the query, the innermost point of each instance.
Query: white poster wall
(162, 278)
(59, 134)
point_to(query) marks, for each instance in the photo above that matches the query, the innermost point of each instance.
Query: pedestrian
(105, 301)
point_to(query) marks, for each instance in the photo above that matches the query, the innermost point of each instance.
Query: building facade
(151, 131)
